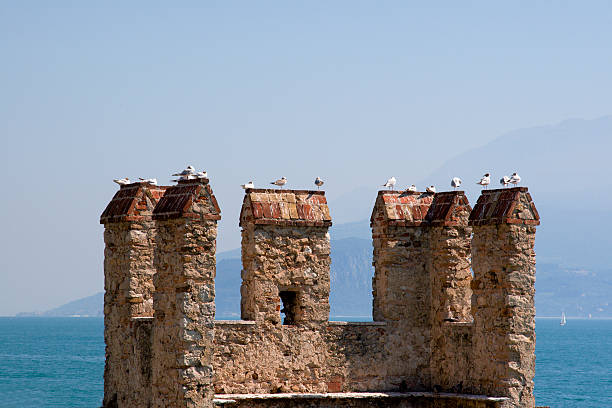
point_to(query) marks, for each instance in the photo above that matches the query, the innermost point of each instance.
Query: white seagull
(318, 182)
(515, 178)
(412, 188)
(152, 181)
(248, 185)
(201, 174)
(431, 189)
(280, 182)
(504, 181)
(189, 171)
(485, 180)
(456, 182)
(390, 183)
(122, 182)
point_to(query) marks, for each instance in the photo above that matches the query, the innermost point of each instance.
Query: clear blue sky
(350, 91)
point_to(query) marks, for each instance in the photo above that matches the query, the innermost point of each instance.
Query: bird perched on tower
(515, 179)
(431, 189)
(456, 182)
(280, 182)
(318, 182)
(122, 182)
(412, 189)
(189, 171)
(485, 180)
(152, 181)
(390, 183)
(504, 181)
(248, 185)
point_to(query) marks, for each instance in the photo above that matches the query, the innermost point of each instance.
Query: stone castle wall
(436, 328)
(183, 325)
(503, 352)
(129, 237)
(252, 358)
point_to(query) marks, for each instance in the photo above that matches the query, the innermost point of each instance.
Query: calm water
(59, 362)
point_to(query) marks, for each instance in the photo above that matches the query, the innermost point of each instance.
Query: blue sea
(59, 362)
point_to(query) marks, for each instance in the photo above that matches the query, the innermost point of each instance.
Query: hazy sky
(350, 91)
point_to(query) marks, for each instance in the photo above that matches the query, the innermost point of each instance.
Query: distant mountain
(567, 169)
(90, 306)
(578, 291)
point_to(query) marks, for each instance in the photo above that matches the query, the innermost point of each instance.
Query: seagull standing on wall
(515, 179)
(431, 189)
(152, 181)
(504, 181)
(390, 183)
(280, 182)
(122, 182)
(184, 175)
(318, 182)
(201, 174)
(412, 189)
(456, 182)
(248, 185)
(485, 180)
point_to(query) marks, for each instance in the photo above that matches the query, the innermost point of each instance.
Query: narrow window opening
(289, 306)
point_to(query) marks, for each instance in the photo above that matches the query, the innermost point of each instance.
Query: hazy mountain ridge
(566, 167)
(577, 291)
(90, 306)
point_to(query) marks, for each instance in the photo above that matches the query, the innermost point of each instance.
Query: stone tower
(421, 278)
(503, 259)
(183, 326)
(129, 236)
(450, 275)
(285, 256)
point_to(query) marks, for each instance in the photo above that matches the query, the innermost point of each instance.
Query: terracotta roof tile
(505, 206)
(189, 198)
(133, 202)
(414, 208)
(285, 207)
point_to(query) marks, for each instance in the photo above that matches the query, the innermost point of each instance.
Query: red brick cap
(449, 208)
(285, 207)
(505, 206)
(133, 202)
(188, 199)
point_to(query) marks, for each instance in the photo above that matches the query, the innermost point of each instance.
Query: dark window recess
(289, 306)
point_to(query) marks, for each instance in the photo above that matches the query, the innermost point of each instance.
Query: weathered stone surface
(503, 260)
(128, 282)
(503, 354)
(183, 326)
(450, 274)
(287, 258)
(262, 358)
(422, 279)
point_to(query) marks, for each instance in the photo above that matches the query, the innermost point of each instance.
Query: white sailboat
(563, 322)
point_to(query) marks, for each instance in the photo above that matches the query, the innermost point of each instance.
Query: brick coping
(221, 399)
(283, 190)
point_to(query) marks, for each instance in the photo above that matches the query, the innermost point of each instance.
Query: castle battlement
(453, 302)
